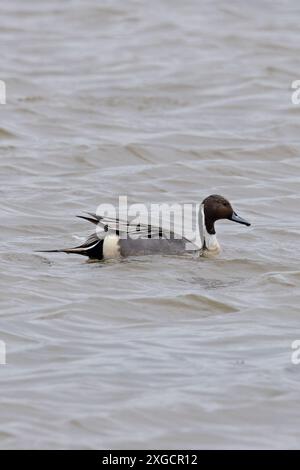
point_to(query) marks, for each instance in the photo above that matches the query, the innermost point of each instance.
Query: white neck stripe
(210, 241)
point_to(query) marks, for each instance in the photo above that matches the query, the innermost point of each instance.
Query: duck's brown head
(217, 207)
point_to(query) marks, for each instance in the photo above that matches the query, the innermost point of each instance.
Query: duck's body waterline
(110, 245)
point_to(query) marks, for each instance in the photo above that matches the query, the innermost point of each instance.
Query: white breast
(212, 244)
(111, 247)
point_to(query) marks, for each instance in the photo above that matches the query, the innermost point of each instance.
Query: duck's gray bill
(239, 220)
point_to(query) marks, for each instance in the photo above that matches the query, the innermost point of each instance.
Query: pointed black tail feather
(93, 248)
(89, 219)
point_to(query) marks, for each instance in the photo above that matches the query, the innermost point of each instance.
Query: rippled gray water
(162, 101)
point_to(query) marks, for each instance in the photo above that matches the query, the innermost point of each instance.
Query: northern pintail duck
(148, 240)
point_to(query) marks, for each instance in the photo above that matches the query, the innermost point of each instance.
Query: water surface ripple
(165, 101)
